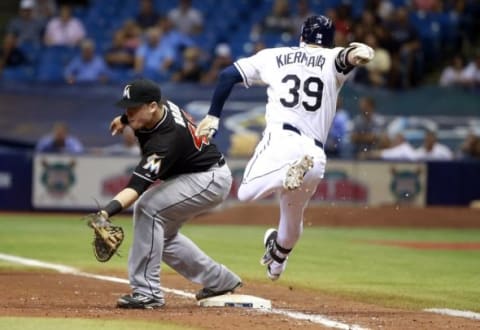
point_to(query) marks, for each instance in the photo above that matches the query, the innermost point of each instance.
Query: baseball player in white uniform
(302, 86)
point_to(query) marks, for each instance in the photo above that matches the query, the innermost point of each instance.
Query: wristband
(113, 207)
(124, 119)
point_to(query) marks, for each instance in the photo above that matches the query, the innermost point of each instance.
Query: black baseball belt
(292, 128)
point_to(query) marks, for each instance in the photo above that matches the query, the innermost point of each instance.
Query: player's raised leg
(296, 172)
(280, 243)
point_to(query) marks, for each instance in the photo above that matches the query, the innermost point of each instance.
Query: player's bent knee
(244, 195)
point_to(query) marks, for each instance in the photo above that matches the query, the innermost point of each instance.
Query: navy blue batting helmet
(318, 30)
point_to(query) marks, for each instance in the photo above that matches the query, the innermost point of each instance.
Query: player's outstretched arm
(208, 126)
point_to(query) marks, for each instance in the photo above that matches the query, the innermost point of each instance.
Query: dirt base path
(48, 294)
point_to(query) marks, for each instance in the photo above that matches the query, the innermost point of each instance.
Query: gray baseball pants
(158, 216)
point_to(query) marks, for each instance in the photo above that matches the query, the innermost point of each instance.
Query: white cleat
(274, 274)
(296, 173)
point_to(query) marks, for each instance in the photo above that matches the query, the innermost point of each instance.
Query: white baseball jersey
(303, 84)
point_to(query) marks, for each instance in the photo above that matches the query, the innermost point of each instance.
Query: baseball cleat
(275, 263)
(139, 301)
(269, 243)
(208, 293)
(274, 274)
(296, 173)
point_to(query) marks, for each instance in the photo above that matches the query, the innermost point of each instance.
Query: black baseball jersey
(171, 148)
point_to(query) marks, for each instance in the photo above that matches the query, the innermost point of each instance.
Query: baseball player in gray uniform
(302, 86)
(194, 178)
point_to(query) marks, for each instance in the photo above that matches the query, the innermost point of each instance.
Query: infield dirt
(48, 294)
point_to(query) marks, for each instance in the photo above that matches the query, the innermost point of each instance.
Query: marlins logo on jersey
(153, 164)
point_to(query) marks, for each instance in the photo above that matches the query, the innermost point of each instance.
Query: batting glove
(207, 127)
(361, 54)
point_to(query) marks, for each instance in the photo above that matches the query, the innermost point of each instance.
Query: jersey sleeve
(153, 165)
(249, 69)
(343, 68)
(146, 172)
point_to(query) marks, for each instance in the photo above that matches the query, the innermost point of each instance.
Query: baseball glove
(107, 238)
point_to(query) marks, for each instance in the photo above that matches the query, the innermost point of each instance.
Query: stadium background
(35, 94)
(384, 241)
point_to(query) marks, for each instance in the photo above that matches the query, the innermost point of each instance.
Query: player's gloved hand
(208, 126)
(107, 238)
(361, 53)
(98, 219)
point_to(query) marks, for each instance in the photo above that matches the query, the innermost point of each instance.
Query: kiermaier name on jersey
(300, 57)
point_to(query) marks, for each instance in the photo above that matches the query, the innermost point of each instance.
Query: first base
(236, 300)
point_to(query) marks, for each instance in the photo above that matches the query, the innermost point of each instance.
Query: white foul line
(454, 312)
(315, 318)
(73, 271)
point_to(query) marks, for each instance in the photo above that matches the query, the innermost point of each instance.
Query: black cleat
(269, 242)
(208, 293)
(139, 301)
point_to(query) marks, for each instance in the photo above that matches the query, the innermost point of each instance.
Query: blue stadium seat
(52, 62)
(121, 76)
(31, 50)
(19, 74)
(400, 3)
(429, 29)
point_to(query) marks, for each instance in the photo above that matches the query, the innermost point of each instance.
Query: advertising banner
(78, 182)
(84, 182)
(360, 183)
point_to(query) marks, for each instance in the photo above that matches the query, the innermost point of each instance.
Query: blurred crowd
(413, 39)
(369, 135)
(149, 44)
(364, 136)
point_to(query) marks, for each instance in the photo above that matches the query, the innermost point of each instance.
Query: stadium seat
(19, 74)
(52, 62)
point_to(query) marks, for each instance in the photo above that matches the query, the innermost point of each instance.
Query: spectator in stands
(475, 153)
(452, 75)
(147, 16)
(384, 9)
(279, 21)
(173, 38)
(132, 34)
(471, 73)
(222, 59)
(470, 147)
(407, 47)
(191, 70)
(368, 23)
(375, 73)
(399, 149)
(119, 56)
(367, 126)
(425, 5)
(87, 67)
(44, 10)
(64, 29)
(152, 59)
(25, 27)
(336, 140)
(432, 149)
(186, 19)
(128, 147)
(341, 17)
(303, 12)
(59, 141)
(10, 54)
